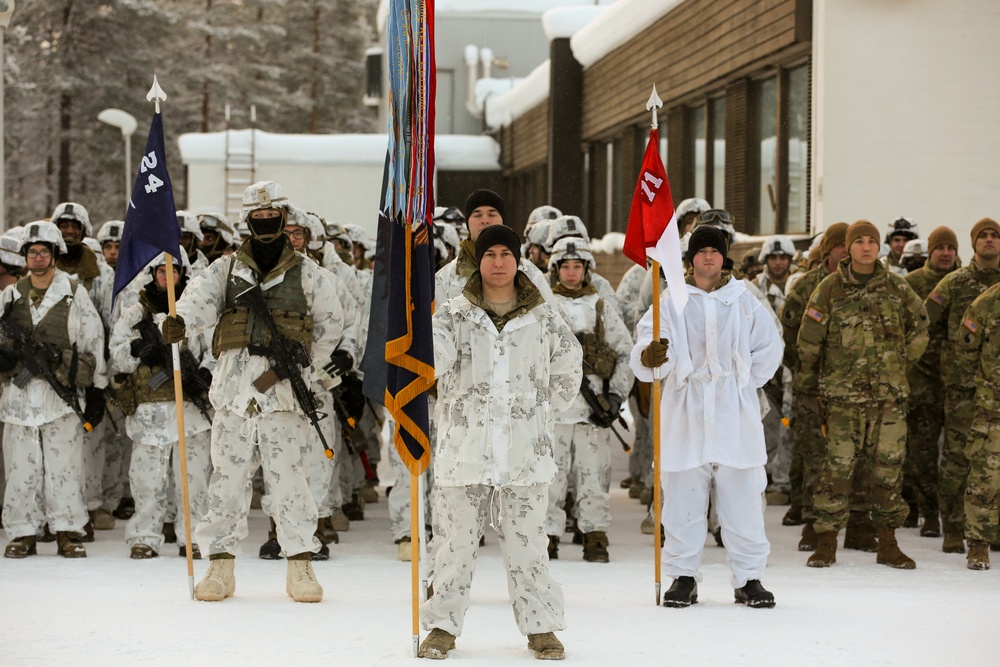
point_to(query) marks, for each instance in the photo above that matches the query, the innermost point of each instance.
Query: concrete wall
(906, 96)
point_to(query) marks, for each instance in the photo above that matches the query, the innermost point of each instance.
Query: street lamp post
(127, 123)
(6, 10)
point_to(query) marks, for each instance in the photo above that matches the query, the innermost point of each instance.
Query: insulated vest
(86, 269)
(135, 388)
(72, 369)
(239, 327)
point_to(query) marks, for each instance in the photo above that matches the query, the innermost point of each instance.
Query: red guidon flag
(652, 226)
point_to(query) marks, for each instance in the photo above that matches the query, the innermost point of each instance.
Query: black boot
(271, 550)
(125, 509)
(682, 593)
(553, 547)
(754, 595)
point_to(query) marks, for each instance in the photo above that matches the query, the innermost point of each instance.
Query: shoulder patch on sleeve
(936, 297)
(970, 325)
(815, 314)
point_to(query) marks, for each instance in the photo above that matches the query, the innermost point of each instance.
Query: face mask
(267, 230)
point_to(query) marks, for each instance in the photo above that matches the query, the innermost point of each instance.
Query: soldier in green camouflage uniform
(862, 329)
(809, 443)
(946, 307)
(979, 348)
(925, 411)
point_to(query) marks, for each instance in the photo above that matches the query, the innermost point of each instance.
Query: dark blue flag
(151, 224)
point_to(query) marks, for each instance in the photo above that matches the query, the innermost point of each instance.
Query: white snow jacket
(498, 390)
(154, 423)
(37, 403)
(721, 349)
(232, 389)
(628, 296)
(580, 314)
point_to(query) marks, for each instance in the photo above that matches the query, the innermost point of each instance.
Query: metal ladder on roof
(241, 165)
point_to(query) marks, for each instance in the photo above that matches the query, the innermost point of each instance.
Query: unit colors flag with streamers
(403, 289)
(151, 220)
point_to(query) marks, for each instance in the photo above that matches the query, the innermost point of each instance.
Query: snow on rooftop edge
(567, 21)
(453, 152)
(503, 109)
(494, 7)
(622, 21)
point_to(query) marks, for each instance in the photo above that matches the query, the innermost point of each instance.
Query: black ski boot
(271, 550)
(682, 593)
(754, 595)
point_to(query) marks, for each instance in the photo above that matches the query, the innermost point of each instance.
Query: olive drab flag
(151, 226)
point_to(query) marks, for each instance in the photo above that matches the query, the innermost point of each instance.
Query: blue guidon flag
(151, 220)
(399, 359)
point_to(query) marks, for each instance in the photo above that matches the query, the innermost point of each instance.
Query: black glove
(173, 329)
(8, 359)
(96, 404)
(145, 351)
(340, 363)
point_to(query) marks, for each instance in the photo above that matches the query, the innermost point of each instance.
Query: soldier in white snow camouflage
(43, 436)
(151, 420)
(505, 361)
(258, 419)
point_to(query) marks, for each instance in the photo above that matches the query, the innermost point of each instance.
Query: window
(697, 135)
(373, 76)
(778, 191)
(765, 140)
(717, 125)
(797, 123)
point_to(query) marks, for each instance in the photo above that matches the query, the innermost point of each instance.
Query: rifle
(286, 358)
(37, 359)
(597, 409)
(194, 387)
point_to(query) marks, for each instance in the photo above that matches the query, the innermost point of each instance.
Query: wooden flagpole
(156, 94)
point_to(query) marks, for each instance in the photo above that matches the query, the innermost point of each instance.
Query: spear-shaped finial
(156, 94)
(653, 104)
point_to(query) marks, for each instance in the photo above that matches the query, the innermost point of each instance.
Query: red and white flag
(652, 226)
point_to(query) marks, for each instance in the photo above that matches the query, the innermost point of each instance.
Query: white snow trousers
(148, 474)
(44, 467)
(320, 468)
(117, 455)
(583, 457)
(279, 442)
(93, 466)
(518, 515)
(741, 515)
(399, 499)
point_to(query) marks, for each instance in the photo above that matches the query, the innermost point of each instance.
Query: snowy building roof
(621, 22)
(452, 152)
(492, 8)
(503, 109)
(567, 21)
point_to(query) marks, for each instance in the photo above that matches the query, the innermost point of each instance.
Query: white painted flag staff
(155, 95)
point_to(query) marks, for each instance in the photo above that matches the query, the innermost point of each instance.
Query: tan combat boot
(808, 541)
(979, 555)
(68, 545)
(826, 550)
(546, 646)
(860, 534)
(22, 547)
(404, 549)
(889, 553)
(301, 584)
(436, 645)
(954, 543)
(219, 582)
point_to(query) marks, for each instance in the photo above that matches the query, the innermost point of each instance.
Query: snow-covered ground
(110, 610)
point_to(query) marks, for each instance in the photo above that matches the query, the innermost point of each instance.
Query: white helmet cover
(188, 222)
(73, 211)
(776, 245)
(263, 194)
(571, 247)
(41, 231)
(110, 231)
(566, 226)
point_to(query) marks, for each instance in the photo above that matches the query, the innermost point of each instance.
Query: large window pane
(718, 111)
(765, 111)
(698, 137)
(798, 148)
